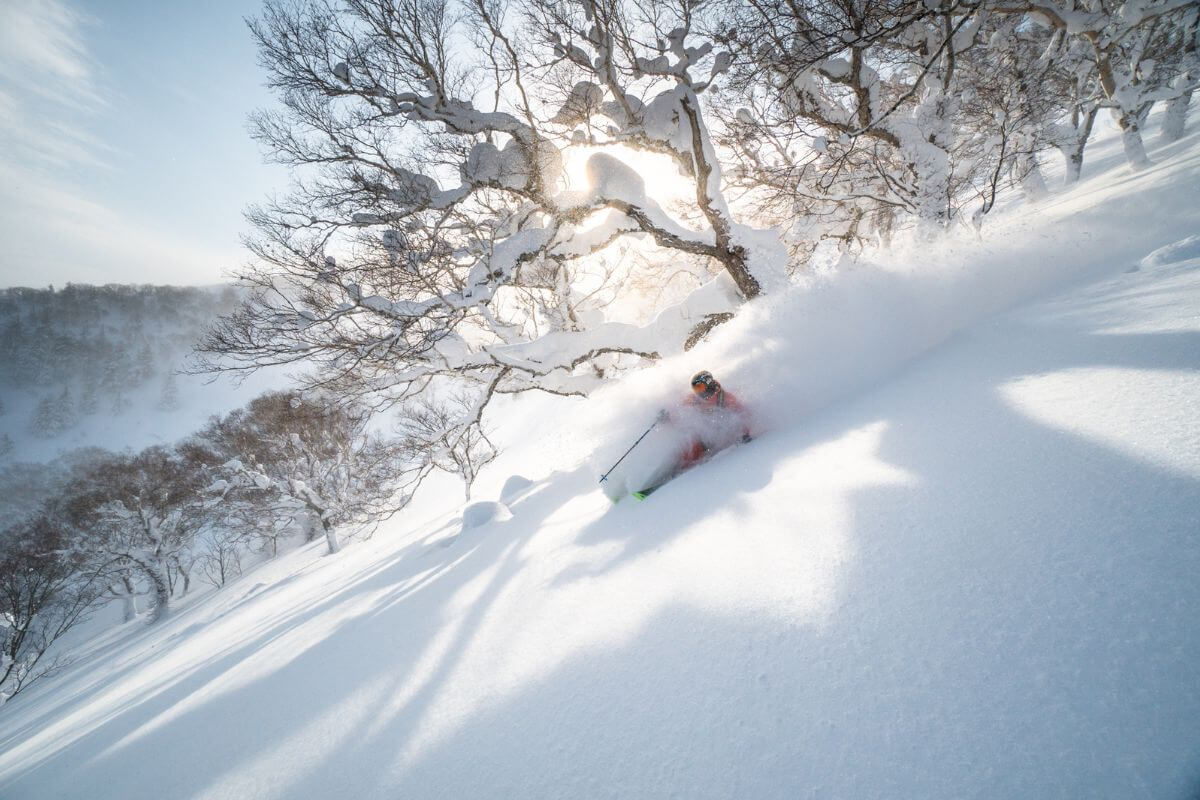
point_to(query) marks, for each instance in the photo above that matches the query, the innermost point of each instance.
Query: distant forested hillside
(69, 353)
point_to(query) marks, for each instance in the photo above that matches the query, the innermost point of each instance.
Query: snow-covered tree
(1180, 48)
(46, 588)
(434, 232)
(1140, 52)
(1008, 113)
(843, 114)
(220, 556)
(1072, 82)
(292, 458)
(432, 432)
(142, 513)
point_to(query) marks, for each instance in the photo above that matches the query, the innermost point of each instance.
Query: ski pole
(630, 450)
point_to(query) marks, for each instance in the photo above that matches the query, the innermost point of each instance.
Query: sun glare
(664, 184)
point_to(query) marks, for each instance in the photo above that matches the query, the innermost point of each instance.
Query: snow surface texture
(973, 576)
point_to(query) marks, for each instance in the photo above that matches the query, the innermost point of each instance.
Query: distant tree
(144, 363)
(220, 558)
(89, 400)
(25, 487)
(114, 336)
(53, 415)
(118, 404)
(169, 396)
(42, 424)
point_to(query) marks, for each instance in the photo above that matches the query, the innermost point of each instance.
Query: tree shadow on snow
(149, 739)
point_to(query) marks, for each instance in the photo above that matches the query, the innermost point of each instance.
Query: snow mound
(1183, 250)
(514, 489)
(479, 514)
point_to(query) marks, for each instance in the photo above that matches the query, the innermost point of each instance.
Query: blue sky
(124, 155)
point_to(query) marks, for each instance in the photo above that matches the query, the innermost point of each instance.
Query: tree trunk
(331, 537)
(1175, 118)
(1131, 140)
(1129, 120)
(933, 186)
(1073, 150)
(1074, 156)
(162, 597)
(128, 600)
(1033, 185)
(160, 606)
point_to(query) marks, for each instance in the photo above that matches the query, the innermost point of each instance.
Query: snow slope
(961, 564)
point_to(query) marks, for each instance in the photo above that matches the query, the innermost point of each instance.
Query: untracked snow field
(961, 561)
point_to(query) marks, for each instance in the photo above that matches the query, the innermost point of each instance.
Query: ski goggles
(704, 384)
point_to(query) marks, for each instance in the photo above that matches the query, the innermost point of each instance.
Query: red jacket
(720, 399)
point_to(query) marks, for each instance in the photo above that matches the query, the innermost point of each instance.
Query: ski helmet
(704, 384)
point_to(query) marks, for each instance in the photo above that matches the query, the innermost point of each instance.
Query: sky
(124, 151)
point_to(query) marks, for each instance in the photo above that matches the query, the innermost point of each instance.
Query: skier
(711, 419)
(722, 419)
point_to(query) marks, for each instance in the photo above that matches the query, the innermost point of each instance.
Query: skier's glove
(663, 415)
(745, 438)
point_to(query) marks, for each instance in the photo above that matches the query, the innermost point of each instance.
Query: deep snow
(962, 563)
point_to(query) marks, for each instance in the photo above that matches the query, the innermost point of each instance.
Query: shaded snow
(514, 488)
